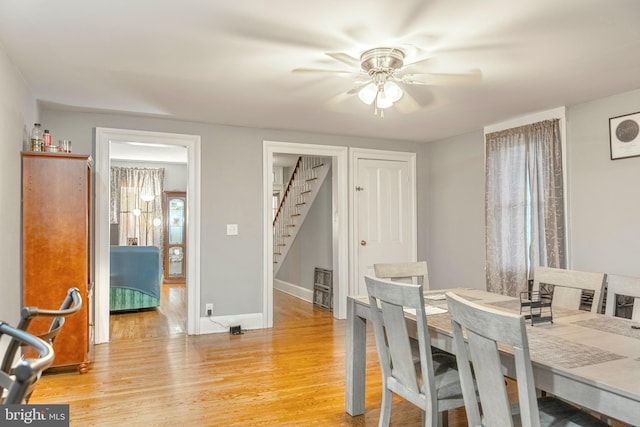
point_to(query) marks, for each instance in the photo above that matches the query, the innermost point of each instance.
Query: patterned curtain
(524, 204)
(136, 205)
(546, 186)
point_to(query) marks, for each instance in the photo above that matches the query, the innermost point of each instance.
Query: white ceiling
(230, 61)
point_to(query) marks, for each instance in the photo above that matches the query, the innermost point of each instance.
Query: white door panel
(384, 217)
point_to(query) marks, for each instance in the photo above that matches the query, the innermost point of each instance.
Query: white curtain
(136, 205)
(524, 204)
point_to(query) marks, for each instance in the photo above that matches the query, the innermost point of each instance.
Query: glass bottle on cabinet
(175, 235)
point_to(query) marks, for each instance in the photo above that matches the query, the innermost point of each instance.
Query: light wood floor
(290, 375)
(169, 319)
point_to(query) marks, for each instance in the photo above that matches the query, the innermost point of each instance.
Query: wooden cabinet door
(55, 246)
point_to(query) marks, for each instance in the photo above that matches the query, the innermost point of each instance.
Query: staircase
(302, 189)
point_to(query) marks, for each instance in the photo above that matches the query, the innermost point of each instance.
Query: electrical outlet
(209, 309)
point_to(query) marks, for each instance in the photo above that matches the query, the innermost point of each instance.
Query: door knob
(363, 243)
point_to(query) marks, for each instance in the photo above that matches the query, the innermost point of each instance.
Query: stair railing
(293, 199)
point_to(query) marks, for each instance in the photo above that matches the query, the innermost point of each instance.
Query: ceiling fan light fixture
(381, 65)
(368, 93)
(383, 101)
(392, 91)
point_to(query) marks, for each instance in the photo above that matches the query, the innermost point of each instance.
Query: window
(524, 204)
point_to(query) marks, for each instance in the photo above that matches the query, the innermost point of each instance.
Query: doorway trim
(340, 220)
(103, 139)
(356, 154)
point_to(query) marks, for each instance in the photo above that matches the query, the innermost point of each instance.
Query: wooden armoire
(56, 247)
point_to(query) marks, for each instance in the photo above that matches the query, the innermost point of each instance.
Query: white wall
(18, 112)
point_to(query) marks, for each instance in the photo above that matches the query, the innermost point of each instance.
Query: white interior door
(384, 214)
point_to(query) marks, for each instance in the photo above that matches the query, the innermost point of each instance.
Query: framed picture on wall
(624, 136)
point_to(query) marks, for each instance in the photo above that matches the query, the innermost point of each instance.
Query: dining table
(589, 359)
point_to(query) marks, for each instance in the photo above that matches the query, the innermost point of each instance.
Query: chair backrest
(622, 286)
(71, 304)
(568, 286)
(387, 303)
(485, 328)
(16, 387)
(405, 272)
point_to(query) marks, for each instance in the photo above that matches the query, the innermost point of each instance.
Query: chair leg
(385, 410)
(437, 419)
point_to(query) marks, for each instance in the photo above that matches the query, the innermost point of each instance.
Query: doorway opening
(339, 160)
(105, 138)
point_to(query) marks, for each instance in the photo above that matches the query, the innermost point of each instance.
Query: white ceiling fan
(382, 76)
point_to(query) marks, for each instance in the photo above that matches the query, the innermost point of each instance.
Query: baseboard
(217, 324)
(294, 290)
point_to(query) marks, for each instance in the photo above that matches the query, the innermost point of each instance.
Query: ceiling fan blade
(413, 99)
(345, 58)
(410, 80)
(357, 87)
(441, 78)
(407, 104)
(418, 63)
(344, 102)
(320, 70)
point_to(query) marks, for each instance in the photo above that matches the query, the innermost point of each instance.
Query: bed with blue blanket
(136, 277)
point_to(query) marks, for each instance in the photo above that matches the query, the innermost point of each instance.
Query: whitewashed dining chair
(568, 286)
(406, 272)
(433, 384)
(623, 286)
(486, 327)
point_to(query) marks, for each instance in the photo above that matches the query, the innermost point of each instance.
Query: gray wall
(231, 157)
(18, 112)
(312, 245)
(604, 194)
(455, 199)
(603, 199)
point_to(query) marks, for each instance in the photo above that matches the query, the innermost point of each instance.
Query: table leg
(356, 356)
